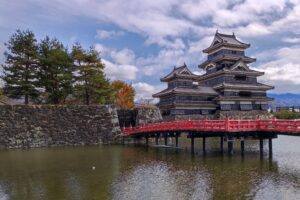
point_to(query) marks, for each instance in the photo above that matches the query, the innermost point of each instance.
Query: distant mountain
(285, 99)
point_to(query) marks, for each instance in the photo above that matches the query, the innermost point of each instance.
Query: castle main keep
(228, 88)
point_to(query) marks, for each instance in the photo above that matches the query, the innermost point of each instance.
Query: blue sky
(142, 40)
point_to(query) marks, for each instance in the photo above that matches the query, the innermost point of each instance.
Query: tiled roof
(246, 86)
(245, 59)
(243, 98)
(200, 90)
(180, 72)
(225, 40)
(230, 39)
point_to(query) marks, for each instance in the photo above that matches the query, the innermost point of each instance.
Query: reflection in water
(159, 181)
(127, 172)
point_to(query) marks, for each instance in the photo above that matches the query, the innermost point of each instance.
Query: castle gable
(239, 66)
(180, 72)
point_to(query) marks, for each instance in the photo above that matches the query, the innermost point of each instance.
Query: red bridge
(275, 125)
(228, 130)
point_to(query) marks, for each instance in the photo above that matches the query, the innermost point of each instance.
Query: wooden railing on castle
(227, 125)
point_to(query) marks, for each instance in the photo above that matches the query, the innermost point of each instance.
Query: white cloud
(104, 34)
(2, 50)
(161, 22)
(284, 71)
(145, 90)
(253, 30)
(264, 56)
(288, 23)
(243, 13)
(119, 72)
(166, 58)
(119, 65)
(102, 49)
(181, 29)
(124, 56)
(200, 9)
(176, 43)
(291, 40)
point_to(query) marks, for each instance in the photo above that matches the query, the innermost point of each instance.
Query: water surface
(134, 172)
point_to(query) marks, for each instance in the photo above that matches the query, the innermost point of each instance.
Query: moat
(136, 172)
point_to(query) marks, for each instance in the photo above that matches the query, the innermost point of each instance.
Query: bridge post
(204, 144)
(156, 138)
(242, 146)
(270, 147)
(176, 139)
(221, 143)
(230, 145)
(147, 139)
(166, 138)
(261, 146)
(192, 142)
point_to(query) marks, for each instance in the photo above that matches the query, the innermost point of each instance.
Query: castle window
(233, 52)
(246, 106)
(244, 94)
(240, 77)
(264, 106)
(204, 112)
(225, 107)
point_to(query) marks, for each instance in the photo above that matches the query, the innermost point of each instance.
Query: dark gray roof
(243, 98)
(224, 71)
(225, 40)
(199, 90)
(245, 59)
(2, 102)
(230, 39)
(180, 72)
(244, 86)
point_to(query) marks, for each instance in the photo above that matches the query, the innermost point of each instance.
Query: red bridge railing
(228, 125)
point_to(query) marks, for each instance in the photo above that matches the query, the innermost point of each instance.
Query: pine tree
(91, 85)
(1, 94)
(20, 68)
(55, 72)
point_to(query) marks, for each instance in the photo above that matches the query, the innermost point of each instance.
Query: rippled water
(131, 172)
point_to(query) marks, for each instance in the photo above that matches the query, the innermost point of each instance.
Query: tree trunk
(26, 100)
(87, 98)
(55, 100)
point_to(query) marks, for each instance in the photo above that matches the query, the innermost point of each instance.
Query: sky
(140, 41)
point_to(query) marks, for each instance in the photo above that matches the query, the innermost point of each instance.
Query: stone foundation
(147, 114)
(46, 125)
(184, 117)
(252, 114)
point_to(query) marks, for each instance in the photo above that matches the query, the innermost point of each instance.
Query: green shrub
(286, 114)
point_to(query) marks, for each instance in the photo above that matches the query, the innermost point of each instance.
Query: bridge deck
(288, 127)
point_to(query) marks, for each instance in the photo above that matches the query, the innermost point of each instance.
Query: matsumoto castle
(229, 88)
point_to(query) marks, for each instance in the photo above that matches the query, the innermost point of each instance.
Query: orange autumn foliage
(124, 94)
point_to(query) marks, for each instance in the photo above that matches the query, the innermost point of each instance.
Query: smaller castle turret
(184, 96)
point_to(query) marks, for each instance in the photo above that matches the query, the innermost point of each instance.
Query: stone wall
(42, 126)
(147, 114)
(246, 115)
(185, 117)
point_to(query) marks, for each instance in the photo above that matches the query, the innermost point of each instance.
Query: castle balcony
(226, 56)
(243, 98)
(187, 103)
(230, 57)
(243, 94)
(257, 86)
(225, 52)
